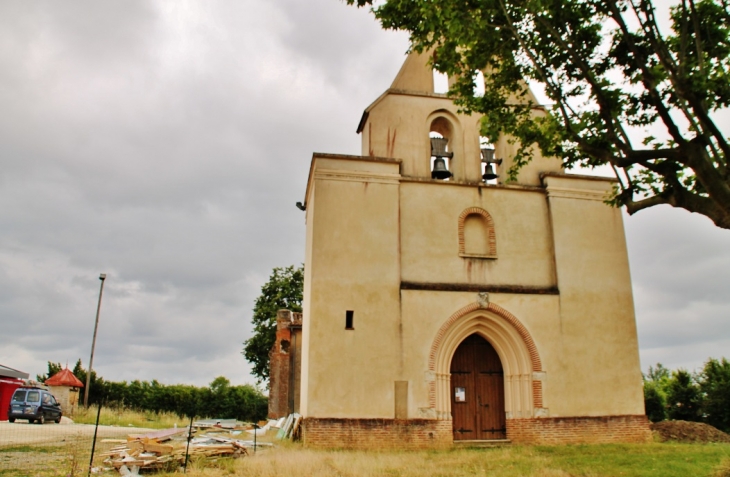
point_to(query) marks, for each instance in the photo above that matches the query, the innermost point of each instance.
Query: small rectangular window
(349, 320)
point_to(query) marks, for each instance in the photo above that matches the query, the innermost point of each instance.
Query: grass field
(70, 459)
(126, 418)
(647, 460)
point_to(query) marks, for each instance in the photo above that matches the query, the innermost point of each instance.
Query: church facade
(442, 307)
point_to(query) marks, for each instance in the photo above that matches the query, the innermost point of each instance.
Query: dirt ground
(22, 433)
(53, 449)
(690, 432)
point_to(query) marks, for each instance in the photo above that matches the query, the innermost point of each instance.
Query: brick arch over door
(491, 236)
(514, 345)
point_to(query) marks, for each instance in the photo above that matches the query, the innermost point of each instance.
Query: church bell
(489, 173)
(489, 161)
(438, 150)
(439, 169)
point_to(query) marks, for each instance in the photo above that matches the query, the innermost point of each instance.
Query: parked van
(35, 404)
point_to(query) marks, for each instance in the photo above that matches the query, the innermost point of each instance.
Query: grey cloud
(165, 143)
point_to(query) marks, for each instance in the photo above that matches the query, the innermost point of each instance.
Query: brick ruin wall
(427, 433)
(278, 385)
(285, 365)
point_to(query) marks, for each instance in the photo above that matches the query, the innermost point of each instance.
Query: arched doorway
(477, 391)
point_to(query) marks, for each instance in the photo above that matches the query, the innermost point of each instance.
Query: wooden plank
(135, 445)
(158, 448)
(159, 436)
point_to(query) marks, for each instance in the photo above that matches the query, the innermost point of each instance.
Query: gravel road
(22, 433)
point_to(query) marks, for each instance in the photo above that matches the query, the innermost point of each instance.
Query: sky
(165, 144)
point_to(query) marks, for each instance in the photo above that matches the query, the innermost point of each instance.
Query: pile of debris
(167, 449)
(288, 427)
(690, 432)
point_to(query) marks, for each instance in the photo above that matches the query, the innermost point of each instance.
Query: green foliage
(624, 94)
(53, 368)
(714, 383)
(680, 395)
(219, 400)
(656, 382)
(655, 402)
(283, 291)
(683, 397)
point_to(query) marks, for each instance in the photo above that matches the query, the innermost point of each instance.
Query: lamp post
(102, 277)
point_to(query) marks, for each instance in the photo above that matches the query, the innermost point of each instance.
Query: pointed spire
(416, 74)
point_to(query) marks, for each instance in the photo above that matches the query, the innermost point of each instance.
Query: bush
(218, 400)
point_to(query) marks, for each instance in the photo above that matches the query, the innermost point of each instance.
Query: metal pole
(93, 443)
(255, 428)
(102, 277)
(187, 448)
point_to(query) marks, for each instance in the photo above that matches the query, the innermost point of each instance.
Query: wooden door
(477, 391)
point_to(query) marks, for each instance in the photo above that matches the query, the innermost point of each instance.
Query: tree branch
(684, 94)
(647, 77)
(678, 198)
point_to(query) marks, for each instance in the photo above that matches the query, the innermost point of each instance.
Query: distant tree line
(218, 400)
(702, 396)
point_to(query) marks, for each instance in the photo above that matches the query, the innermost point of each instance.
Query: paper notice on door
(459, 394)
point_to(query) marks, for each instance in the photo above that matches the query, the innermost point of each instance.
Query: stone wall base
(575, 430)
(429, 433)
(376, 433)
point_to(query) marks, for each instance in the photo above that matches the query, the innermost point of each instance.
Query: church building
(444, 303)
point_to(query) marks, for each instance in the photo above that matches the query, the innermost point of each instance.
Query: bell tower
(403, 121)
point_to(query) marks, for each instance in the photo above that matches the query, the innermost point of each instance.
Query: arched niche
(442, 123)
(514, 345)
(477, 238)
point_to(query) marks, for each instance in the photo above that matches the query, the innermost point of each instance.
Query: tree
(97, 387)
(656, 383)
(53, 368)
(714, 384)
(625, 93)
(684, 400)
(284, 290)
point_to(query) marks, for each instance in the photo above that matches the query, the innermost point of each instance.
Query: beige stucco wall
(425, 311)
(589, 370)
(585, 336)
(399, 127)
(596, 301)
(430, 240)
(354, 266)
